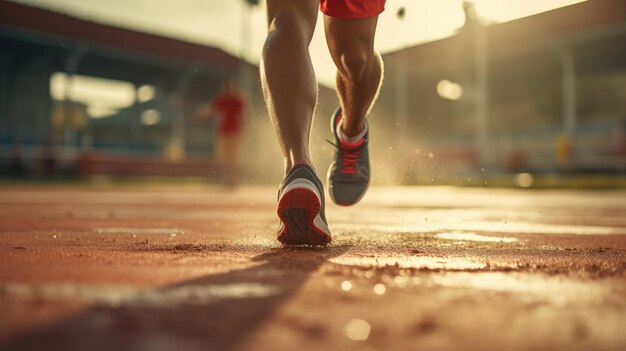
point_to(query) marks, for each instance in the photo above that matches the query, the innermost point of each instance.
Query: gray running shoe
(349, 174)
(301, 208)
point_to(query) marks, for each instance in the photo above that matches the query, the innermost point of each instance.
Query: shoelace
(349, 157)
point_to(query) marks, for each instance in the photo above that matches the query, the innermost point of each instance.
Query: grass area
(108, 182)
(520, 180)
(535, 181)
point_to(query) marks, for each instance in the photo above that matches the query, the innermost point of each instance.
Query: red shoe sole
(297, 210)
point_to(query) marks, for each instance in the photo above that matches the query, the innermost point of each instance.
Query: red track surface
(409, 268)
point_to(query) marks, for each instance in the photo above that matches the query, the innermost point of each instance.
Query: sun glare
(502, 11)
(103, 97)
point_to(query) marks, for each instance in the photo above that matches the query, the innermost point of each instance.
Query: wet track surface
(409, 268)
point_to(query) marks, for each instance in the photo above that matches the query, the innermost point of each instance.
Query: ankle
(352, 135)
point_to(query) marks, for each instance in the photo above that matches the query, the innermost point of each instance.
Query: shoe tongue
(354, 145)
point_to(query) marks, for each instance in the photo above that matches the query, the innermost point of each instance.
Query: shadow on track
(188, 315)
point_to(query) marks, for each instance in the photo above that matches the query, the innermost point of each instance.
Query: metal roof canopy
(105, 51)
(572, 26)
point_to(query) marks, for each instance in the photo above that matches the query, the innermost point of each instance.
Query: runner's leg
(359, 68)
(287, 76)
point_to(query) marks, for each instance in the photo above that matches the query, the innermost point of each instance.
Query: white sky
(219, 22)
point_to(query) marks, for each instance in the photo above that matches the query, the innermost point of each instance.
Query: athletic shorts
(352, 8)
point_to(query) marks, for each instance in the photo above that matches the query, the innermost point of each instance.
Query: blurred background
(526, 93)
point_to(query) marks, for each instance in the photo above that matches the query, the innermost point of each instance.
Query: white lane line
(474, 237)
(558, 289)
(116, 295)
(414, 262)
(130, 230)
(484, 226)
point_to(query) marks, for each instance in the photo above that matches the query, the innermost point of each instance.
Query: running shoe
(301, 208)
(349, 173)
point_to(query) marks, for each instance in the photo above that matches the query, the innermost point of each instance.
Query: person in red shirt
(290, 92)
(229, 107)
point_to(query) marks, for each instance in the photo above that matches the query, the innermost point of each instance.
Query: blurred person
(290, 91)
(229, 107)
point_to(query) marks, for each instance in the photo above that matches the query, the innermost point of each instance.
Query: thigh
(350, 34)
(352, 8)
(232, 144)
(220, 148)
(302, 13)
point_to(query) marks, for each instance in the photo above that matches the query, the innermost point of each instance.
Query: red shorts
(352, 8)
